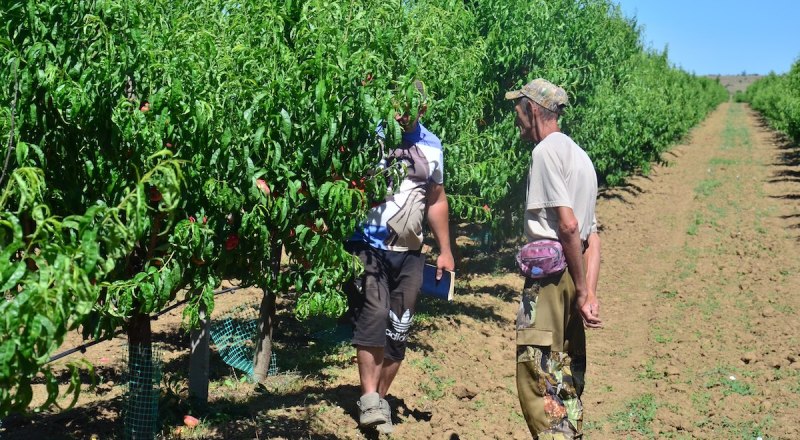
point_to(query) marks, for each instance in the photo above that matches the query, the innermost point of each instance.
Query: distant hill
(735, 83)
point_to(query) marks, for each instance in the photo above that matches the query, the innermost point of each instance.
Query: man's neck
(547, 130)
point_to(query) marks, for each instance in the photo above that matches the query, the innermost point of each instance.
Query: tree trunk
(144, 377)
(139, 331)
(198, 361)
(266, 319)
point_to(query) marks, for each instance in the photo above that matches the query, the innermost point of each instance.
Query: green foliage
(638, 415)
(435, 386)
(777, 97)
(156, 147)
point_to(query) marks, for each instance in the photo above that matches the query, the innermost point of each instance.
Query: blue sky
(721, 37)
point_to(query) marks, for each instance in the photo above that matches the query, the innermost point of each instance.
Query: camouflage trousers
(551, 359)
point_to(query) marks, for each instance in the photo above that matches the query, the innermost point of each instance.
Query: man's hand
(589, 308)
(444, 262)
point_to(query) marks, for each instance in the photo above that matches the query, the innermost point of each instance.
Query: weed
(516, 417)
(747, 429)
(688, 268)
(721, 161)
(649, 371)
(695, 224)
(720, 212)
(287, 382)
(637, 416)
(423, 319)
(730, 383)
(796, 388)
(667, 294)
(660, 337)
(700, 401)
(591, 425)
(622, 353)
(706, 187)
(709, 305)
(435, 386)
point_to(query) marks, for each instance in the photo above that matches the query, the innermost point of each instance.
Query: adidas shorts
(382, 300)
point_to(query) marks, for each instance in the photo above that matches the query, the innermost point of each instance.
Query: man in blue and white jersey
(389, 243)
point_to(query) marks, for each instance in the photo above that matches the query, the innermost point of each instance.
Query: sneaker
(387, 427)
(370, 411)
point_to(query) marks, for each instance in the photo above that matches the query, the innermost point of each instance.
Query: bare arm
(438, 219)
(592, 261)
(569, 236)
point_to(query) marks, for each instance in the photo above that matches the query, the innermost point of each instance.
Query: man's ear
(531, 110)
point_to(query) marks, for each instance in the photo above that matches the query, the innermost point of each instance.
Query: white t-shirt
(561, 174)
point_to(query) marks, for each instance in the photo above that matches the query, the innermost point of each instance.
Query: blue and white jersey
(396, 223)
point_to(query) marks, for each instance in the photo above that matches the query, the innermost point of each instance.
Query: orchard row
(158, 146)
(777, 97)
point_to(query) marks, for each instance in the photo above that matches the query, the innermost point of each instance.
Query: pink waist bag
(541, 259)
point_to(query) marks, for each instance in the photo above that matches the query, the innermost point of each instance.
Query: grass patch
(637, 416)
(710, 305)
(796, 388)
(701, 400)
(719, 211)
(695, 224)
(688, 266)
(435, 387)
(667, 294)
(736, 133)
(660, 337)
(423, 318)
(729, 380)
(748, 429)
(649, 372)
(706, 187)
(721, 161)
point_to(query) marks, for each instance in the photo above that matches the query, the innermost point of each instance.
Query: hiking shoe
(370, 412)
(386, 427)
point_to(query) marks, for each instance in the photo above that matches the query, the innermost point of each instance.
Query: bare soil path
(698, 288)
(700, 268)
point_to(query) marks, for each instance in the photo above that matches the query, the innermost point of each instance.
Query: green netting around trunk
(142, 377)
(234, 336)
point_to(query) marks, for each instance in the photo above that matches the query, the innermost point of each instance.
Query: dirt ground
(700, 262)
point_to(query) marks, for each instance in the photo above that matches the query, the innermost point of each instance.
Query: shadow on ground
(787, 171)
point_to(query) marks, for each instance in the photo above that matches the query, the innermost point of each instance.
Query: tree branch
(11, 133)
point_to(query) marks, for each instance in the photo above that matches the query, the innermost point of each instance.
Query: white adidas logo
(400, 326)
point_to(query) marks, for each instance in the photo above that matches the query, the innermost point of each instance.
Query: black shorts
(382, 300)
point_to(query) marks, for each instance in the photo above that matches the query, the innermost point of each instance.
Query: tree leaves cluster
(778, 98)
(156, 147)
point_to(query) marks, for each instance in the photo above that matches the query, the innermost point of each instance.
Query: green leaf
(286, 124)
(90, 249)
(11, 276)
(21, 152)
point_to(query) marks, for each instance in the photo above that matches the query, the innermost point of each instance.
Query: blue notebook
(443, 288)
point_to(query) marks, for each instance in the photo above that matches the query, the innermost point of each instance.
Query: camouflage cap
(544, 93)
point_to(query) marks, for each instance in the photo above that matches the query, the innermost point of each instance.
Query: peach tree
(154, 148)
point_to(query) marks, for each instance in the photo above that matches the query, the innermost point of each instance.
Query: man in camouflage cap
(560, 206)
(544, 93)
